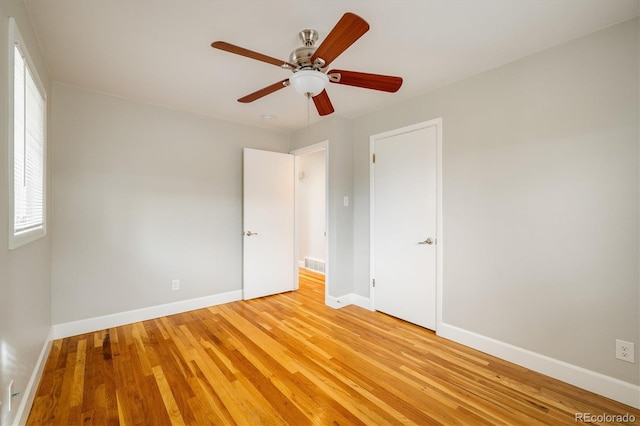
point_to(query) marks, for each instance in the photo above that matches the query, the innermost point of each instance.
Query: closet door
(404, 225)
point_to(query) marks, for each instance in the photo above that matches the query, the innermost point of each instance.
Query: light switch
(346, 201)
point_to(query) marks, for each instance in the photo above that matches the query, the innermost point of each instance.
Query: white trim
(336, 302)
(316, 147)
(29, 394)
(592, 381)
(346, 300)
(20, 239)
(439, 226)
(310, 149)
(437, 123)
(361, 301)
(372, 304)
(121, 318)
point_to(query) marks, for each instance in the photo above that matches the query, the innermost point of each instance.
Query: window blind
(28, 153)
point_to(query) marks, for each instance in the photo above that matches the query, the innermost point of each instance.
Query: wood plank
(290, 359)
(167, 397)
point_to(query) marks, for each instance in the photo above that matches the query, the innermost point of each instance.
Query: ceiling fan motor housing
(302, 57)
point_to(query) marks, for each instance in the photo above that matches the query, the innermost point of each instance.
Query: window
(27, 145)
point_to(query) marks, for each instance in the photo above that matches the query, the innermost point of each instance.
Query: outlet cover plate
(625, 350)
(175, 285)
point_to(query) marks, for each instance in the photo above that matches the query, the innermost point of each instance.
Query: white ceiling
(158, 51)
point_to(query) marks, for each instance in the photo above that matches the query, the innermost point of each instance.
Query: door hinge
(374, 159)
(374, 282)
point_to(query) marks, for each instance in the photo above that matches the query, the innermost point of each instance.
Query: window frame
(18, 239)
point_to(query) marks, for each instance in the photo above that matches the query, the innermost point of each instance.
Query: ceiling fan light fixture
(309, 82)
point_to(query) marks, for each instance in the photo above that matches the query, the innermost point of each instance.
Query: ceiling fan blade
(228, 47)
(264, 91)
(386, 83)
(323, 103)
(348, 29)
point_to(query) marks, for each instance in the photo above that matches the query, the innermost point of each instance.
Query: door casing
(321, 146)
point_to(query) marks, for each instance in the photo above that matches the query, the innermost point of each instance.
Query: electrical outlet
(175, 285)
(624, 350)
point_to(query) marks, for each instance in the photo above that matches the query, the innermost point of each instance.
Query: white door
(404, 225)
(268, 222)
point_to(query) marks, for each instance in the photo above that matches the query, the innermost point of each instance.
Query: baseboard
(114, 320)
(346, 300)
(592, 381)
(363, 302)
(29, 394)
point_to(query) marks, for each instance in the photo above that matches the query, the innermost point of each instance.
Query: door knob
(428, 241)
(249, 233)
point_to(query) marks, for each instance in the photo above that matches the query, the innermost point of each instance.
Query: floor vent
(314, 264)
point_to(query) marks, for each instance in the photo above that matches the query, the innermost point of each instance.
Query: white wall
(541, 195)
(310, 205)
(144, 195)
(25, 297)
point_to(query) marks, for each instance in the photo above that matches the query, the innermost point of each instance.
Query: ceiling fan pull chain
(308, 113)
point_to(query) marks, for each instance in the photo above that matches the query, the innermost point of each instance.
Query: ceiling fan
(309, 64)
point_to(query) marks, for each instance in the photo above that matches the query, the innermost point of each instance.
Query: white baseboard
(29, 394)
(363, 302)
(592, 381)
(121, 318)
(346, 300)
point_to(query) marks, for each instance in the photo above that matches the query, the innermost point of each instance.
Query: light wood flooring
(289, 359)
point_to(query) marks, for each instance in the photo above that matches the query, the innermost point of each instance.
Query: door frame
(321, 146)
(437, 123)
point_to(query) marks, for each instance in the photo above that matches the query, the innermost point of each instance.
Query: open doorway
(311, 194)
